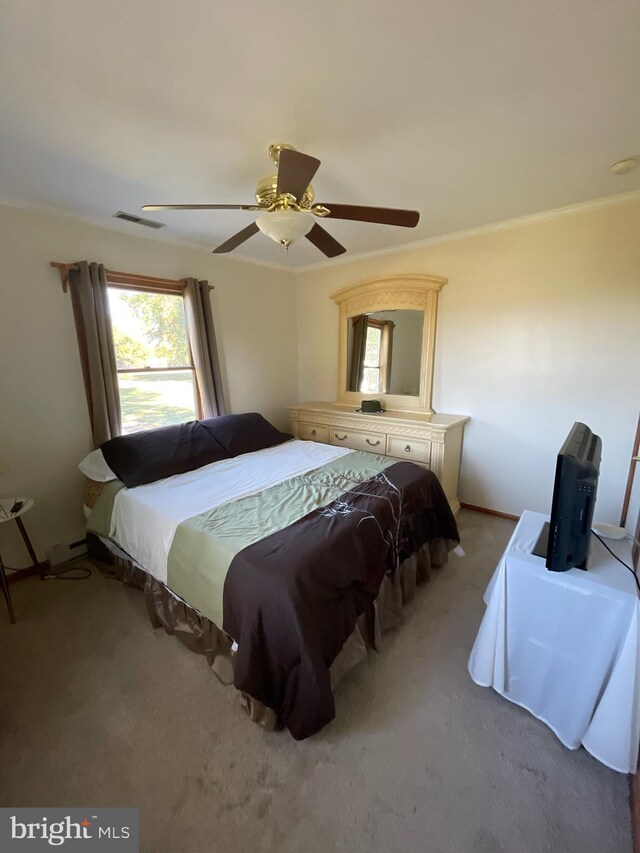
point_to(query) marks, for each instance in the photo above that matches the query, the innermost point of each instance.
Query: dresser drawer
(374, 442)
(415, 449)
(314, 432)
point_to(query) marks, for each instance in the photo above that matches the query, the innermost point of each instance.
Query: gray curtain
(90, 301)
(202, 340)
(359, 343)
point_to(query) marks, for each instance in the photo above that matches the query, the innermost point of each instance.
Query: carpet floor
(98, 709)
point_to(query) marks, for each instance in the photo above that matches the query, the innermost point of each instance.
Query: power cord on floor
(632, 570)
(64, 574)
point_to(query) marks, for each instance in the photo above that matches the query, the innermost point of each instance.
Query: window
(376, 365)
(156, 376)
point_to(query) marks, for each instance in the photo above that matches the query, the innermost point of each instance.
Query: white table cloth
(566, 645)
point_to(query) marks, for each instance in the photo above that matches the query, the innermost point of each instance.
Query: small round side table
(6, 515)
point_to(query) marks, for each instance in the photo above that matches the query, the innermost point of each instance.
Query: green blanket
(99, 521)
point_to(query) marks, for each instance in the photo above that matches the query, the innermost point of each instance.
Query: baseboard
(486, 511)
(634, 801)
(13, 576)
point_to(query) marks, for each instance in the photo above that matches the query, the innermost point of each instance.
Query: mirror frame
(415, 292)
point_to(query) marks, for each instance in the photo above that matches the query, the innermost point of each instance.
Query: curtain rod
(122, 277)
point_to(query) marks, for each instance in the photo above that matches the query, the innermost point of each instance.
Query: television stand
(566, 646)
(542, 542)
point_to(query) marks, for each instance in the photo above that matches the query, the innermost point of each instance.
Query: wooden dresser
(434, 441)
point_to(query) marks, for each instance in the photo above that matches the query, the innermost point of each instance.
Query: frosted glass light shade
(285, 226)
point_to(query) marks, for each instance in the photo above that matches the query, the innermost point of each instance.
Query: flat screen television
(564, 540)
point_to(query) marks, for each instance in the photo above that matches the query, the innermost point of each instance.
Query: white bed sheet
(145, 518)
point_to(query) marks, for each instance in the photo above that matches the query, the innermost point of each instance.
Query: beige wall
(538, 326)
(527, 312)
(44, 427)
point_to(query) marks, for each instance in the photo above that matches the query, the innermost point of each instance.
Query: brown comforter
(292, 599)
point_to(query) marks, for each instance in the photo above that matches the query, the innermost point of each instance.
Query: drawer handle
(313, 432)
(340, 437)
(373, 443)
(407, 449)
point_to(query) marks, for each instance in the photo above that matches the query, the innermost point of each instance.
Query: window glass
(149, 329)
(155, 374)
(158, 398)
(371, 370)
(372, 347)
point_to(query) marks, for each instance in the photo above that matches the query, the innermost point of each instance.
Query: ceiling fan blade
(295, 172)
(200, 207)
(322, 240)
(381, 215)
(230, 244)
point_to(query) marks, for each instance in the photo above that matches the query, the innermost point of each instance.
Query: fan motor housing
(267, 193)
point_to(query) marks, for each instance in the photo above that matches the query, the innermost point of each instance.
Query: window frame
(384, 357)
(140, 284)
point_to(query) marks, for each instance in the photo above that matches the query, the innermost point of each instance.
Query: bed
(280, 560)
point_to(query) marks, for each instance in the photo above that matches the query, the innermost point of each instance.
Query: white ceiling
(471, 112)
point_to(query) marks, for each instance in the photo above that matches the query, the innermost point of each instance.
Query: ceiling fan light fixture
(285, 226)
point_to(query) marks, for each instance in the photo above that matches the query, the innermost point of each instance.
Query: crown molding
(185, 242)
(492, 228)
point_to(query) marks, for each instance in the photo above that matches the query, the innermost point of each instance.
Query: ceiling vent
(138, 220)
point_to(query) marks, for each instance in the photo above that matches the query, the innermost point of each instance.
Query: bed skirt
(202, 636)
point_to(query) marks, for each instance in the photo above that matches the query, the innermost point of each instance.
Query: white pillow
(94, 467)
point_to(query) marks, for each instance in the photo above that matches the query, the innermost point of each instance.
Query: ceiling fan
(286, 203)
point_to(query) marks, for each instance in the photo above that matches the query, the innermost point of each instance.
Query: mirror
(387, 333)
(384, 352)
